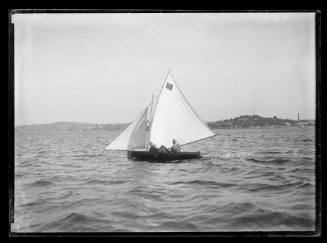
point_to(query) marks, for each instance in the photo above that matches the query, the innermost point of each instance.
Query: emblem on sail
(169, 86)
(171, 117)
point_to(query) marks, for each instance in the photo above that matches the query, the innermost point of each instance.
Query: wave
(61, 196)
(238, 207)
(103, 182)
(259, 187)
(289, 152)
(34, 203)
(26, 163)
(126, 215)
(156, 195)
(76, 218)
(229, 155)
(41, 183)
(303, 170)
(265, 219)
(213, 184)
(270, 161)
(74, 222)
(269, 174)
(41, 152)
(270, 152)
(87, 156)
(307, 158)
(305, 185)
(18, 175)
(174, 225)
(302, 206)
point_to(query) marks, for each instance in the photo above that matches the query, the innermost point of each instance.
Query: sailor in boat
(163, 149)
(176, 147)
(154, 149)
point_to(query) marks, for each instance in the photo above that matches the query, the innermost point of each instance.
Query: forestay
(175, 118)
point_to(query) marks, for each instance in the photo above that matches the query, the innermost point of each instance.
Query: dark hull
(161, 157)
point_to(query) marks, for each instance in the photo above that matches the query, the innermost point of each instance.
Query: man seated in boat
(176, 147)
(163, 149)
(154, 149)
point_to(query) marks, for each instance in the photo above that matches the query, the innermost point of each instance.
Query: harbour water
(260, 179)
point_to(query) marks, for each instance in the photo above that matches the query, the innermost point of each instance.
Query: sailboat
(171, 117)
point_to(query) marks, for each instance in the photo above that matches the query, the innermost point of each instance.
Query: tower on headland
(298, 116)
(253, 107)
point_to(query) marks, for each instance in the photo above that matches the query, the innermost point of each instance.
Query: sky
(104, 68)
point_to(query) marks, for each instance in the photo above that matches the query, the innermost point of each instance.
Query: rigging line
(199, 139)
(148, 131)
(151, 106)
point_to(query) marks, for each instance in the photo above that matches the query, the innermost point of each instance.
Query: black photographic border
(11, 131)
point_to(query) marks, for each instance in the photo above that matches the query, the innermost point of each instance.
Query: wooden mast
(148, 127)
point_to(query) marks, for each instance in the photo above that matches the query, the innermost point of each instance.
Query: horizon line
(117, 123)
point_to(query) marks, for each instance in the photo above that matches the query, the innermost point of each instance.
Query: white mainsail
(175, 118)
(134, 136)
(171, 118)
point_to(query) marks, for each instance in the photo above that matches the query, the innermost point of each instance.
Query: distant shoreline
(256, 121)
(246, 121)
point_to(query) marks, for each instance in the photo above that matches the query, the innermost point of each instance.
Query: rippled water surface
(248, 179)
